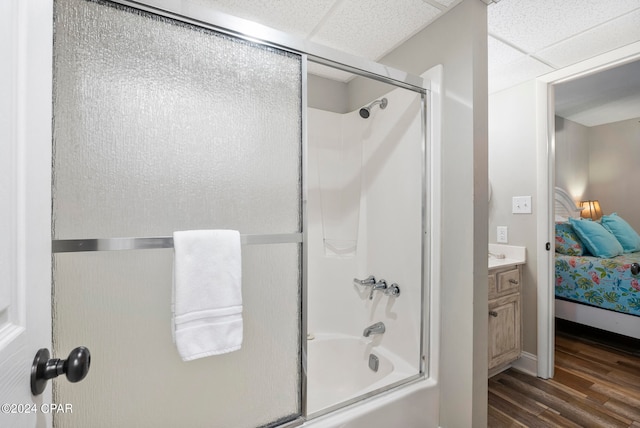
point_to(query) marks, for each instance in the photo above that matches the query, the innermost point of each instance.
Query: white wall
(600, 162)
(572, 157)
(326, 94)
(458, 41)
(512, 171)
(614, 174)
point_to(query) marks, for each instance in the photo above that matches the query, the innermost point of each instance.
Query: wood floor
(595, 385)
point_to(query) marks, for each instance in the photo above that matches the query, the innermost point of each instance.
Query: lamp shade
(591, 209)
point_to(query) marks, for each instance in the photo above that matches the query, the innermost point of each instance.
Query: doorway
(546, 182)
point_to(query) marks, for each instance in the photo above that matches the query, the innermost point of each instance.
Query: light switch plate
(521, 205)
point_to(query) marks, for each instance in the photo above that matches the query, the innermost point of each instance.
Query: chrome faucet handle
(380, 285)
(368, 282)
(393, 290)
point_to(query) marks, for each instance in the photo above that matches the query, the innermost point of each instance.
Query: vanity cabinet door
(505, 336)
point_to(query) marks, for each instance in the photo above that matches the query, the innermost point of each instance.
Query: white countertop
(513, 255)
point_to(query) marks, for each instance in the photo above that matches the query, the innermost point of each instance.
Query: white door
(25, 206)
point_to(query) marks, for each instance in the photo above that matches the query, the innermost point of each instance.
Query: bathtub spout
(377, 328)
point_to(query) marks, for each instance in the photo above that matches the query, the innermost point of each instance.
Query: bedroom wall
(572, 157)
(614, 152)
(600, 162)
(512, 172)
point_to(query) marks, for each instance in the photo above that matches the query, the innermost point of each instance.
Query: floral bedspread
(606, 283)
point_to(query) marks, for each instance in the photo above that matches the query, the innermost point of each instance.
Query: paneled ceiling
(527, 38)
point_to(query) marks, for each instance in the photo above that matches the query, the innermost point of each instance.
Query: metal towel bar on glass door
(114, 244)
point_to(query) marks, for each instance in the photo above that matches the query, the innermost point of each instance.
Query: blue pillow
(567, 242)
(624, 233)
(598, 240)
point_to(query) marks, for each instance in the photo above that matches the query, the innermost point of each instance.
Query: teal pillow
(624, 233)
(567, 242)
(598, 240)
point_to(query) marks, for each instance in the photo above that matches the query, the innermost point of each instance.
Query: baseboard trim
(527, 363)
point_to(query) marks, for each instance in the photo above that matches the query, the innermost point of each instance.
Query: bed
(601, 291)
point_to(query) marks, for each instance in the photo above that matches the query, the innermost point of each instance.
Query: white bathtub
(338, 371)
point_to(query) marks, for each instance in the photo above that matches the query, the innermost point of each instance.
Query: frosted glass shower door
(162, 126)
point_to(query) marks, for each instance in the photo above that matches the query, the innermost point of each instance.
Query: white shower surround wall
(389, 236)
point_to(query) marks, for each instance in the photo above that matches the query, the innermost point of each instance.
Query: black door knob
(75, 367)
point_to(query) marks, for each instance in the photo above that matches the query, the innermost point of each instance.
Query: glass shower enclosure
(164, 124)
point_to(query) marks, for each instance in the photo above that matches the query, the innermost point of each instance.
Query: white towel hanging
(207, 294)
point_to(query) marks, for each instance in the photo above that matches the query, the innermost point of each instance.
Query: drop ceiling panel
(535, 24)
(501, 54)
(517, 72)
(290, 16)
(371, 28)
(603, 38)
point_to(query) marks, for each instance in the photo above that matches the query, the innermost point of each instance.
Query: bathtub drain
(374, 362)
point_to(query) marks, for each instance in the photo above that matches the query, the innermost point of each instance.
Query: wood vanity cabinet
(505, 321)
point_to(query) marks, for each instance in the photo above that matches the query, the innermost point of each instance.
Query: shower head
(365, 112)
